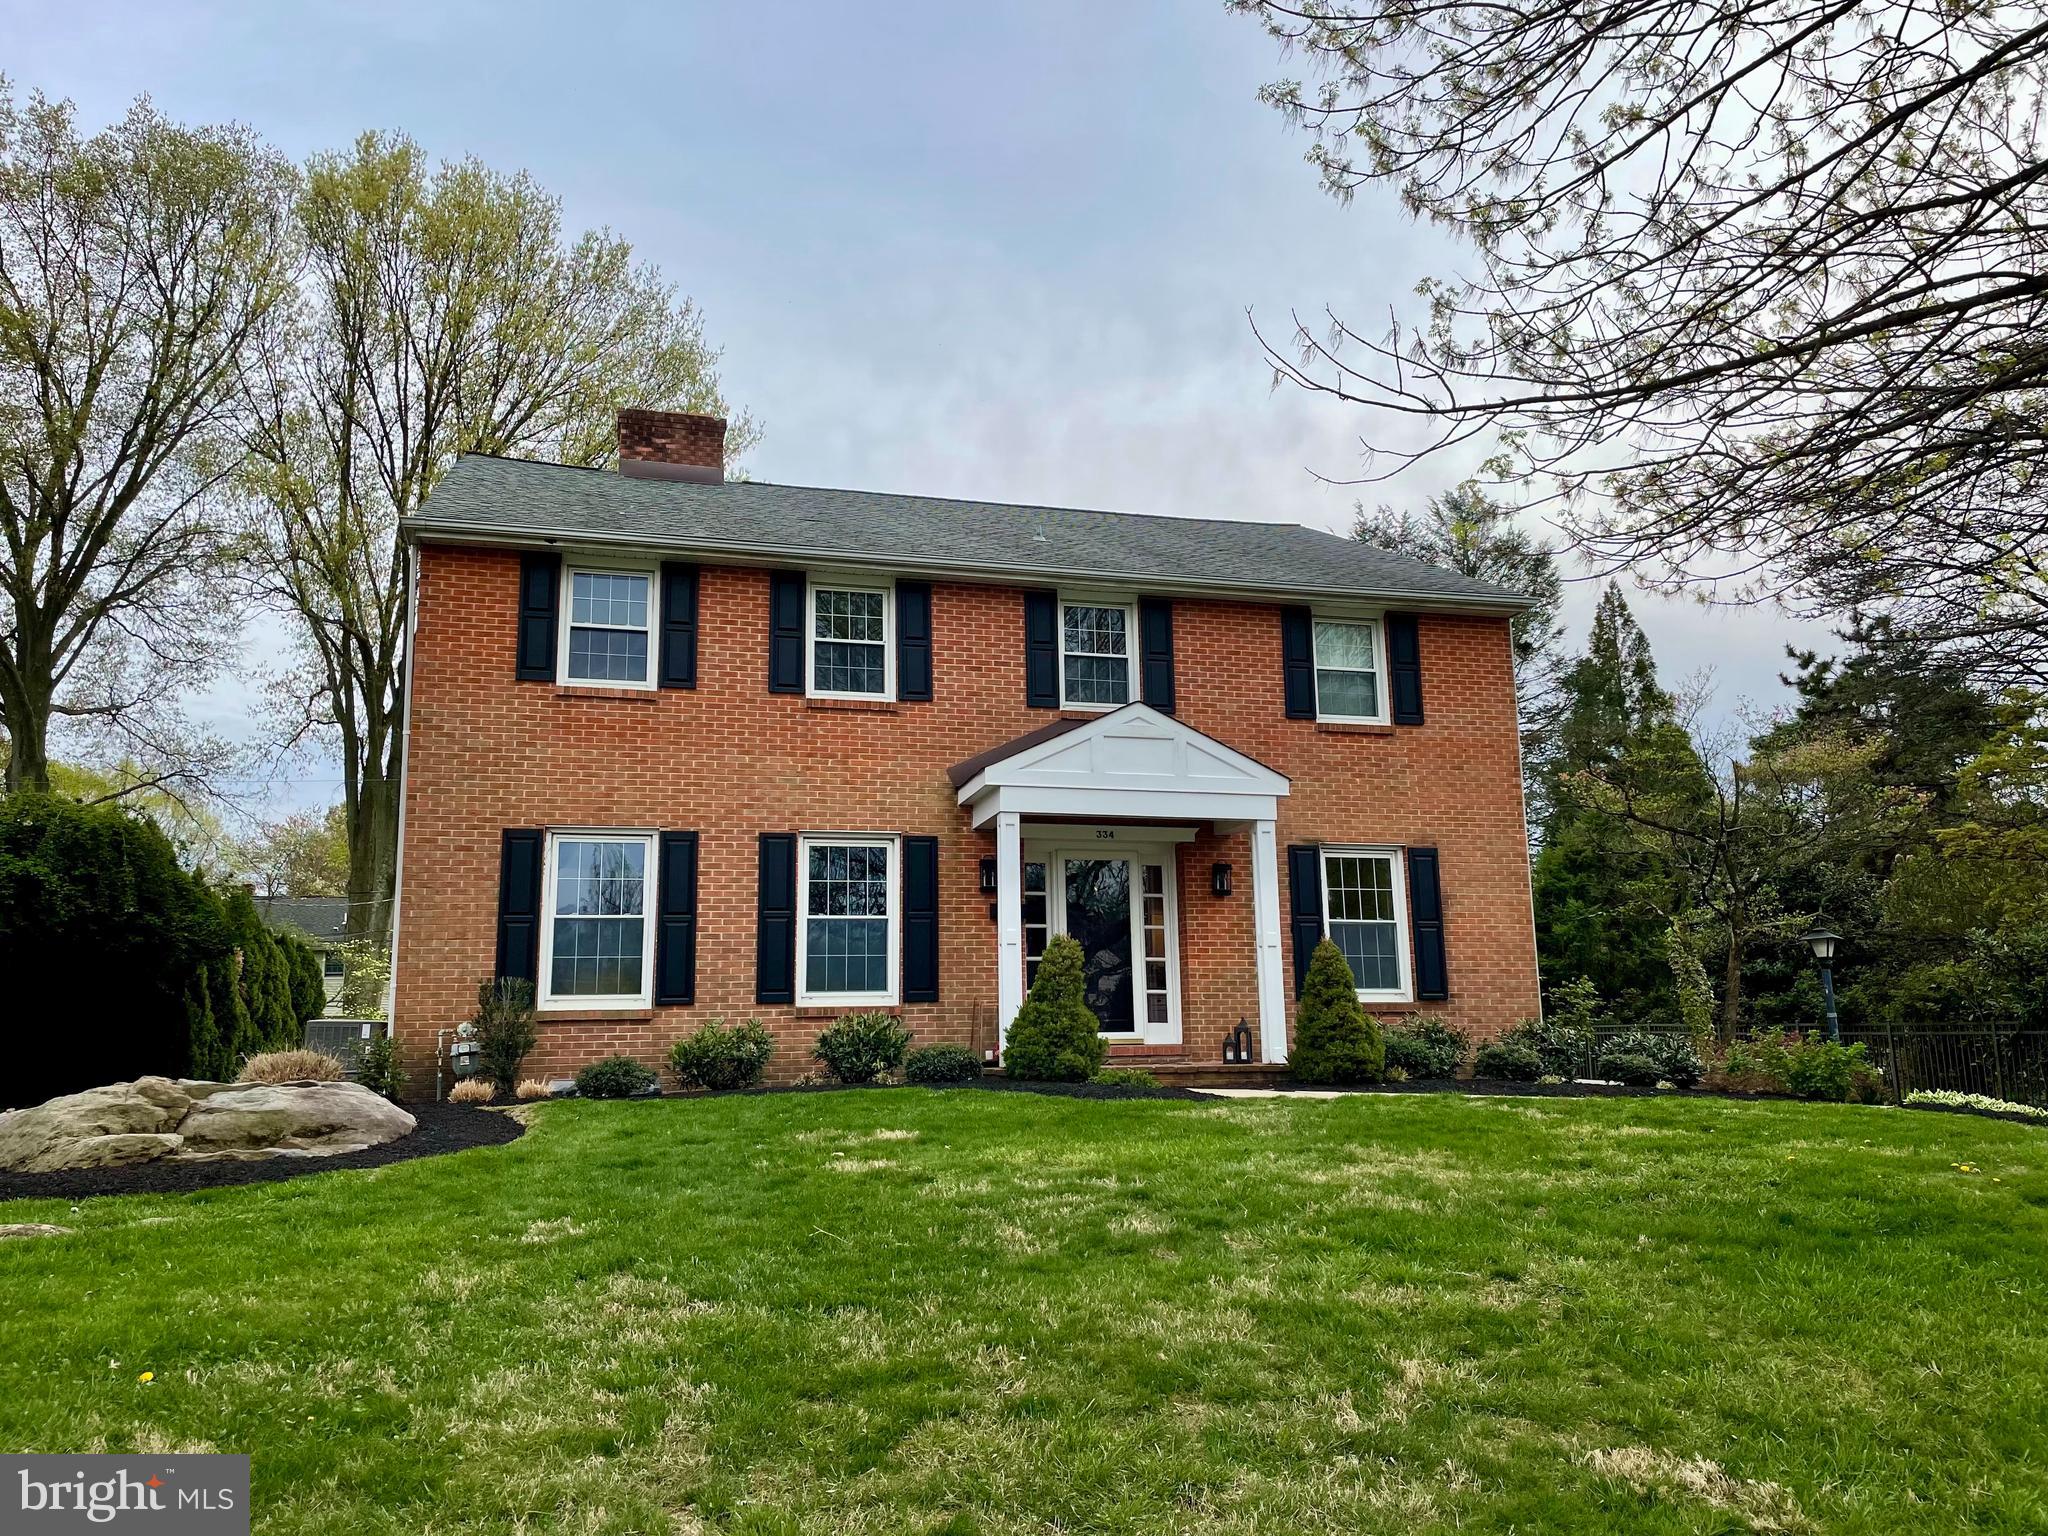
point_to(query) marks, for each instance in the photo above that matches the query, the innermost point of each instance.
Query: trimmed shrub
(1511, 1060)
(1630, 1067)
(616, 1077)
(378, 1071)
(1677, 1058)
(1124, 1077)
(532, 1088)
(718, 1056)
(941, 1064)
(863, 1047)
(473, 1090)
(1055, 1039)
(1425, 1047)
(290, 1067)
(505, 1028)
(1335, 1039)
(1817, 1068)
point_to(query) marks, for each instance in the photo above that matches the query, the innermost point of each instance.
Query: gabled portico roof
(1130, 762)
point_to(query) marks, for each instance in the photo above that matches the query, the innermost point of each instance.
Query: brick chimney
(672, 445)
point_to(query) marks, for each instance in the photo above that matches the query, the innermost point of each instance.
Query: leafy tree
(1335, 1039)
(136, 268)
(1467, 531)
(445, 312)
(303, 854)
(1760, 290)
(1054, 1037)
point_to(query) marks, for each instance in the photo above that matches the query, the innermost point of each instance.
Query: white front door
(1119, 904)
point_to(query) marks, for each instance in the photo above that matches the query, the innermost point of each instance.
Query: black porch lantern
(1237, 1045)
(988, 875)
(1219, 879)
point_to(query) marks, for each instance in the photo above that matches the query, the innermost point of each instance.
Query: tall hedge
(118, 962)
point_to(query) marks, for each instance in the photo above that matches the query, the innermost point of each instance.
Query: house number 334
(1105, 834)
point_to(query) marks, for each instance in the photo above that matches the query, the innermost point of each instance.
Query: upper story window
(1364, 915)
(1349, 671)
(606, 624)
(596, 942)
(850, 641)
(846, 944)
(1095, 654)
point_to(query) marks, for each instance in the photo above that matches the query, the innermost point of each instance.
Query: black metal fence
(2005, 1061)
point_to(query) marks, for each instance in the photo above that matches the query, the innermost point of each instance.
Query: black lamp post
(1823, 945)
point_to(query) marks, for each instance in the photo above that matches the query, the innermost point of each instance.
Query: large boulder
(154, 1117)
(296, 1117)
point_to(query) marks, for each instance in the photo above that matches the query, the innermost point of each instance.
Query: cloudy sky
(1004, 250)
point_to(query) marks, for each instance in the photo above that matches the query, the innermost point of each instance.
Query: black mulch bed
(441, 1128)
(1982, 1114)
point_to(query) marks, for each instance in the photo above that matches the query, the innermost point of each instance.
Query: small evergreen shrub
(941, 1064)
(1675, 1054)
(1511, 1060)
(863, 1047)
(718, 1056)
(1630, 1067)
(1124, 1077)
(473, 1090)
(1425, 1047)
(290, 1067)
(1055, 1039)
(505, 1028)
(378, 1070)
(1335, 1039)
(616, 1077)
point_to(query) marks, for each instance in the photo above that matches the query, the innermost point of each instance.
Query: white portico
(1087, 806)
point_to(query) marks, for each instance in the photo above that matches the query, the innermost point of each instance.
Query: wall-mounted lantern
(1219, 879)
(988, 876)
(1237, 1045)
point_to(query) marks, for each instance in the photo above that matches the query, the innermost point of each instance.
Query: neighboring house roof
(323, 919)
(517, 500)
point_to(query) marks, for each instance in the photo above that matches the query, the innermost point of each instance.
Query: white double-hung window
(1095, 653)
(597, 945)
(847, 937)
(1350, 687)
(851, 641)
(607, 625)
(1365, 915)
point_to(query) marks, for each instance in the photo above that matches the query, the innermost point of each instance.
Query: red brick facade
(731, 760)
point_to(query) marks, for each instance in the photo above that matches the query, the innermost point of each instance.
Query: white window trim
(1405, 993)
(826, 582)
(1378, 621)
(1129, 606)
(805, 998)
(567, 603)
(545, 998)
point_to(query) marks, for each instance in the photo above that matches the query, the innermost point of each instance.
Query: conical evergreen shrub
(1055, 1039)
(1335, 1039)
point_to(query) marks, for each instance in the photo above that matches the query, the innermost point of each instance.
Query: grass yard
(916, 1311)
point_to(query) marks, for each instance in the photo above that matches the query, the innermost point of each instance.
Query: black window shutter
(914, 641)
(1404, 661)
(540, 580)
(1426, 921)
(678, 625)
(1298, 662)
(519, 876)
(1305, 905)
(675, 933)
(786, 632)
(1155, 652)
(1042, 650)
(920, 919)
(775, 920)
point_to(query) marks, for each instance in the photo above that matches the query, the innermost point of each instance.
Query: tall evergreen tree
(1604, 899)
(1467, 531)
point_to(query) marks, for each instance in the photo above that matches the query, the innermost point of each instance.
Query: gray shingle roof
(520, 500)
(313, 917)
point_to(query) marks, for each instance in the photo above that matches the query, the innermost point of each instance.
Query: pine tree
(1055, 1039)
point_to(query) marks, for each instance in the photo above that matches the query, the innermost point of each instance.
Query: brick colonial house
(679, 747)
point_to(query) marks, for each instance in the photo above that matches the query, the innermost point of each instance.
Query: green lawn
(909, 1311)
